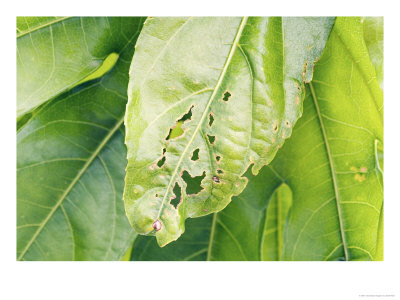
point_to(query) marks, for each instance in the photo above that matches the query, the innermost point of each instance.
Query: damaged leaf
(248, 73)
(330, 165)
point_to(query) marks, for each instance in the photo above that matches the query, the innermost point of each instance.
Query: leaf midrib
(72, 184)
(333, 173)
(217, 86)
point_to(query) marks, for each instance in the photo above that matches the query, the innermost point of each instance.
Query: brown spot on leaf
(359, 177)
(216, 179)
(275, 127)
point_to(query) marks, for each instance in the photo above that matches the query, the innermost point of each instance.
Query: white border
(220, 280)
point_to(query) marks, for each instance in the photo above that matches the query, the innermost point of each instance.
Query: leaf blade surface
(230, 76)
(70, 168)
(56, 53)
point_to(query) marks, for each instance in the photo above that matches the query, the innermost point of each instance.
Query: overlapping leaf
(70, 168)
(237, 86)
(56, 53)
(331, 165)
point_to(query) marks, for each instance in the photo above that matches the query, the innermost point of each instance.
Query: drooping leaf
(330, 163)
(373, 36)
(239, 84)
(70, 168)
(55, 53)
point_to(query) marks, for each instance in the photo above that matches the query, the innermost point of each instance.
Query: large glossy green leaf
(56, 53)
(70, 168)
(330, 164)
(237, 86)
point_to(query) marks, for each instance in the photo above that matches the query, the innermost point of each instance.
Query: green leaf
(330, 165)
(275, 220)
(237, 85)
(373, 36)
(56, 53)
(70, 168)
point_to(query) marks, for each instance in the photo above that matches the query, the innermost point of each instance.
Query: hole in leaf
(210, 119)
(193, 184)
(227, 96)
(176, 131)
(211, 139)
(195, 155)
(220, 171)
(187, 116)
(178, 194)
(218, 158)
(161, 162)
